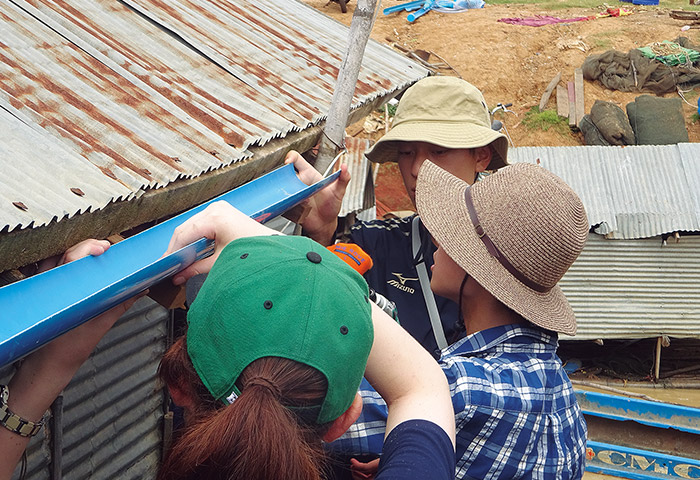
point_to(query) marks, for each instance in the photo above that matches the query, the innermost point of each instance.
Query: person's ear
(483, 158)
(181, 397)
(341, 424)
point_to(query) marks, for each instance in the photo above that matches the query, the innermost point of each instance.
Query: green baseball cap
(445, 111)
(281, 296)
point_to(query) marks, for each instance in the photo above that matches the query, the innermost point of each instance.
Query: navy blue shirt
(417, 450)
(394, 275)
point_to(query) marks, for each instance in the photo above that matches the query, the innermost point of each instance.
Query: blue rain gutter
(655, 414)
(38, 309)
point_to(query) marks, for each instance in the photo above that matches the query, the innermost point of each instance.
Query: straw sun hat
(445, 111)
(531, 220)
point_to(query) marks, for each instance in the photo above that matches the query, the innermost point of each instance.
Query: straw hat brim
(444, 134)
(442, 208)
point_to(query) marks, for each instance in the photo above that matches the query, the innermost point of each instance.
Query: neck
(487, 312)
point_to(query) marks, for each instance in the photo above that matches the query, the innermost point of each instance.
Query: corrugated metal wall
(635, 288)
(113, 407)
(638, 191)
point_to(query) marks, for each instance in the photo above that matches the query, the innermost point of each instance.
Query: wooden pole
(578, 87)
(548, 91)
(572, 103)
(334, 131)
(657, 362)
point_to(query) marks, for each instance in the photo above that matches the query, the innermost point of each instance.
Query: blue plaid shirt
(515, 409)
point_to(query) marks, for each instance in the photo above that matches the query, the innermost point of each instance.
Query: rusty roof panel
(95, 109)
(288, 52)
(360, 192)
(148, 102)
(49, 189)
(223, 103)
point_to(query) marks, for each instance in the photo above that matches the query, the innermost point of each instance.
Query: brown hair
(258, 436)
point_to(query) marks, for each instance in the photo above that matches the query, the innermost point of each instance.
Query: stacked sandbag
(657, 121)
(591, 135)
(650, 120)
(607, 124)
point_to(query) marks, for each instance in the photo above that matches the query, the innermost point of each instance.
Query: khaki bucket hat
(516, 232)
(445, 111)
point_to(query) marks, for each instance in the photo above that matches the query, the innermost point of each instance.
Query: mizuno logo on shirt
(400, 283)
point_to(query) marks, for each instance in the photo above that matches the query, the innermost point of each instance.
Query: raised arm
(220, 222)
(321, 220)
(43, 374)
(399, 368)
(407, 377)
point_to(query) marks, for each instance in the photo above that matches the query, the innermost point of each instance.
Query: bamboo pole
(334, 132)
(607, 388)
(657, 362)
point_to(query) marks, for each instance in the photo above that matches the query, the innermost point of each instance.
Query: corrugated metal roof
(635, 288)
(149, 101)
(629, 192)
(360, 192)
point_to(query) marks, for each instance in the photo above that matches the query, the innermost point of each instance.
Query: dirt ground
(512, 63)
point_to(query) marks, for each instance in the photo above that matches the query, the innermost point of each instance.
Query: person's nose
(421, 154)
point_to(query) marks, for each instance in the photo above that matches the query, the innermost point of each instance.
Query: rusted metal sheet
(131, 134)
(150, 102)
(251, 38)
(360, 192)
(50, 173)
(629, 192)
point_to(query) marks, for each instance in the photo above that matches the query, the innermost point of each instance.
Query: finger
(345, 176)
(293, 157)
(220, 221)
(306, 172)
(197, 268)
(87, 247)
(369, 467)
(339, 186)
(189, 232)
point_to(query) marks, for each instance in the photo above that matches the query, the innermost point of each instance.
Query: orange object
(353, 255)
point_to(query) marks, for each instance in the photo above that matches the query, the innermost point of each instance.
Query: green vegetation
(695, 118)
(390, 107)
(603, 40)
(536, 120)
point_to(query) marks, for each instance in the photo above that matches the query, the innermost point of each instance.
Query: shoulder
(417, 449)
(379, 234)
(513, 376)
(397, 225)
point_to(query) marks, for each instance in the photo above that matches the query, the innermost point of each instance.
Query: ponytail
(258, 437)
